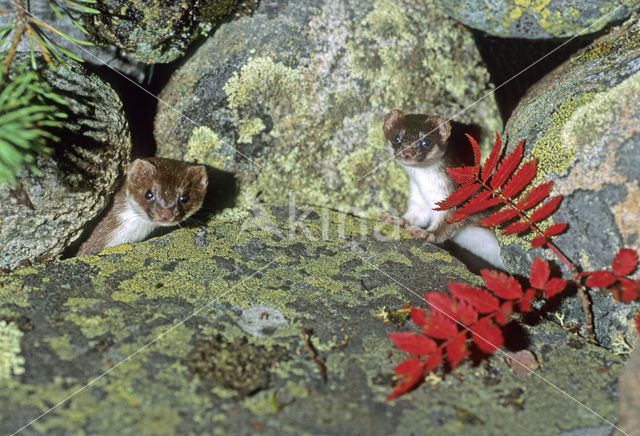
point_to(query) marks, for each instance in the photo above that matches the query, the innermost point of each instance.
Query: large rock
(44, 214)
(582, 123)
(539, 19)
(294, 97)
(227, 306)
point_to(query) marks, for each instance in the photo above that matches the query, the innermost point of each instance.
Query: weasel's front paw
(423, 234)
(417, 218)
(392, 219)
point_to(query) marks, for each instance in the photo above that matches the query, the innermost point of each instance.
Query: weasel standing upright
(157, 192)
(420, 143)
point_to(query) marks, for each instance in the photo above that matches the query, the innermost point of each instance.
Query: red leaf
(476, 204)
(624, 262)
(555, 229)
(638, 321)
(476, 150)
(439, 301)
(506, 167)
(502, 285)
(458, 196)
(464, 313)
(412, 367)
(554, 286)
(481, 300)
(503, 315)
(539, 275)
(538, 241)
(433, 361)
(492, 160)
(626, 290)
(517, 227)
(499, 217)
(535, 196)
(487, 336)
(439, 326)
(462, 174)
(405, 385)
(526, 300)
(418, 316)
(601, 279)
(413, 343)
(457, 349)
(521, 178)
(546, 209)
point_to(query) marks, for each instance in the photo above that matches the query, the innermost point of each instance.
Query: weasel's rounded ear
(391, 120)
(141, 167)
(198, 173)
(444, 127)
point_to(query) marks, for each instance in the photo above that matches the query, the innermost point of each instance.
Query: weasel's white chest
(133, 226)
(431, 183)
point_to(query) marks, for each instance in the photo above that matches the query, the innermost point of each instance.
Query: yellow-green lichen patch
(207, 148)
(553, 155)
(272, 82)
(11, 362)
(603, 47)
(62, 347)
(248, 128)
(92, 326)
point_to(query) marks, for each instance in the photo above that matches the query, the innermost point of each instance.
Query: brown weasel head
(165, 191)
(416, 140)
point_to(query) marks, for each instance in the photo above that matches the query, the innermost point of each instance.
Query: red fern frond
(506, 167)
(459, 195)
(499, 217)
(517, 227)
(492, 160)
(477, 204)
(521, 178)
(546, 209)
(476, 150)
(535, 196)
(538, 241)
(555, 229)
(462, 174)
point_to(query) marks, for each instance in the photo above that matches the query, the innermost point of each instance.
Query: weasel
(157, 192)
(422, 145)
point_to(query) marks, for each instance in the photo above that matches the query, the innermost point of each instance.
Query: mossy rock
(154, 31)
(217, 318)
(293, 98)
(43, 214)
(581, 122)
(539, 19)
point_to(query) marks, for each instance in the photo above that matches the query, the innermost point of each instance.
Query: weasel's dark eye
(397, 139)
(184, 198)
(148, 195)
(425, 142)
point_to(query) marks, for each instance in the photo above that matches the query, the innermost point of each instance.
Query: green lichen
(10, 360)
(272, 82)
(604, 47)
(207, 147)
(248, 128)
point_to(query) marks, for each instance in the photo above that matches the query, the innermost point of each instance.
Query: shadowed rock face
(233, 301)
(43, 214)
(581, 123)
(295, 96)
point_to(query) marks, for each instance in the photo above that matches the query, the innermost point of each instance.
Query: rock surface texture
(581, 123)
(43, 214)
(293, 97)
(230, 305)
(539, 19)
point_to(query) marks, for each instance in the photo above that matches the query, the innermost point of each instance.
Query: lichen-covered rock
(225, 310)
(582, 123)
(43, 214)
(154, 31)
(294, 97)
(539, 19)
